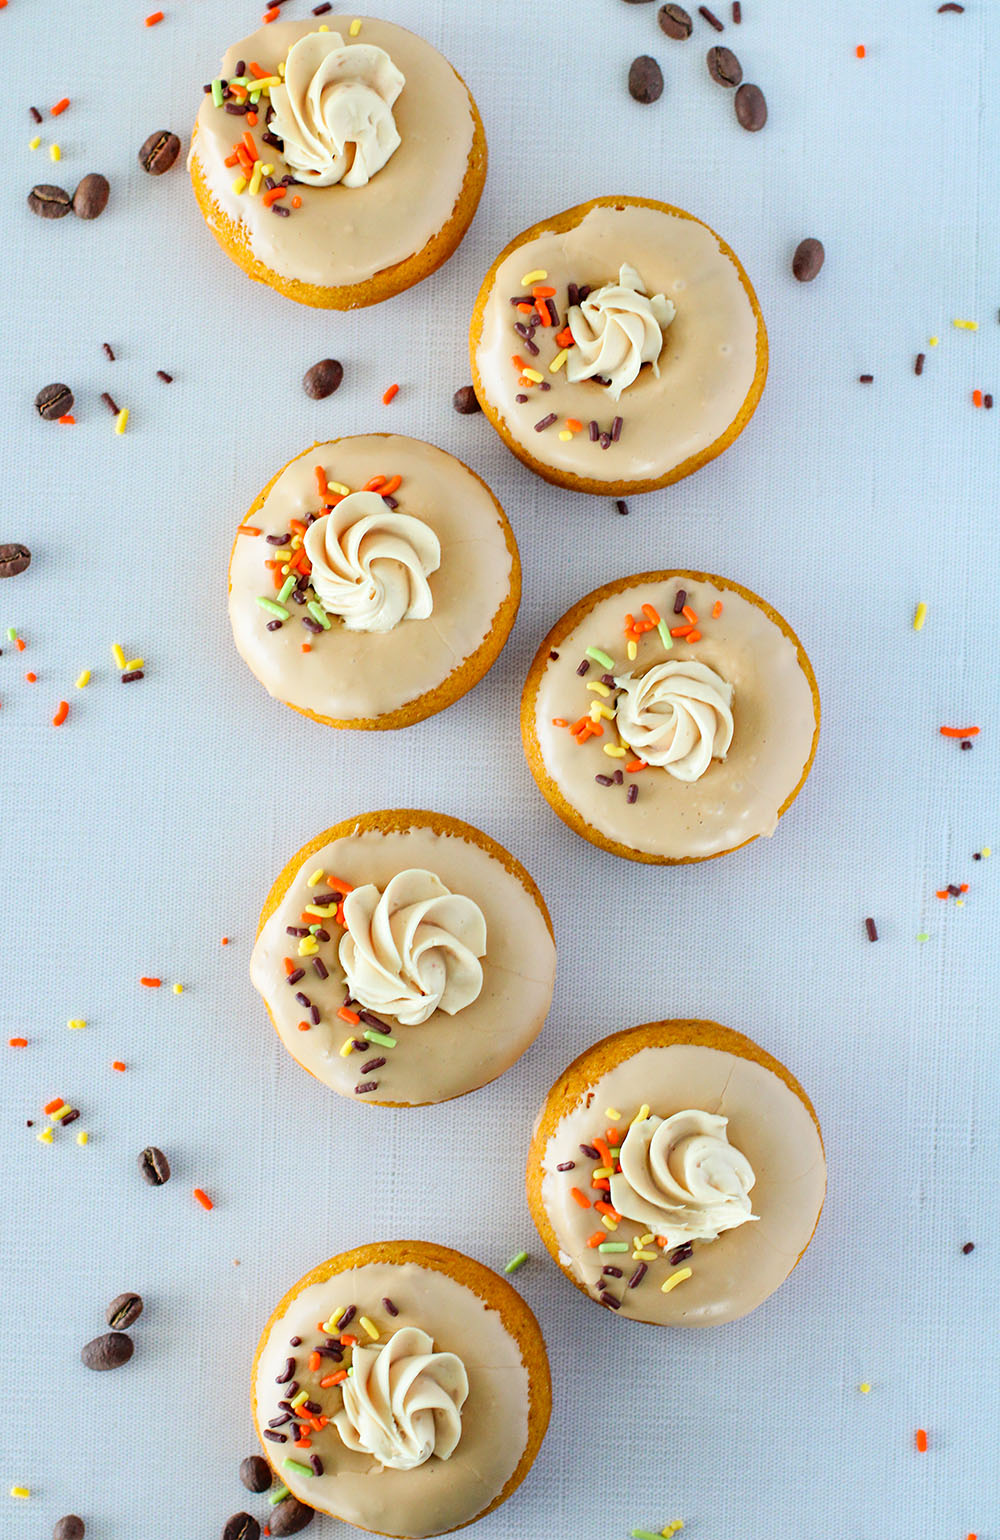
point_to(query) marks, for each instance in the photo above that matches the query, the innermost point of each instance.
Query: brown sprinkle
(107, 350)
(713, 21)
(161, 374)
(918, 363)
(737, 13)
(865, 379)
(870, 929)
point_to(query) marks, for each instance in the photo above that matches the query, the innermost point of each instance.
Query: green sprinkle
(600, 657)
(313, 929)
(663, 631)
(637, 1534)
(12, 633)
(297, 1467)
(923, 936)
(254, 98)
(287, 587)
(303, 1395)
(516, 1262)
(612, 1246)
(217, 92)
(318, 613)
(380, 1038)
(278, 1495)
(277, 610)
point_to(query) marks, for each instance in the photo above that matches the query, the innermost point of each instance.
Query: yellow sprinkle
(266, 170)
(268, 81)
(612, 1113)
(20, 1491)
(558, 361)
(54, 152)
(322, 911)
(178, 989)
(966, 326)
(608, 1222)
(960, 903)
(323, 28)
(864, 1387)
(565, 435)
(641, 1115)
(535, 276)
(297, 1401)
(121, 420)
(355, 28)
(239, 184)
(83, 679)
(346, 1047)
(644, 1240)
(308, 946)
(675, 1279)
(255, 179)
(986, 852)
(34, 143)
(632, 651)
(45, 1137)
(643, 1256)
(82, 1137)
(75, 1023)
(118, 656)
(370, 1328)
(60, 1113)
(919, 616)
(281, 66)
(315, 878)
(598, 688)
(533, 375)
(603, 1171)
(135, 663)
(338, 487)
(672, 1528)
(613, 752)
(932, 342)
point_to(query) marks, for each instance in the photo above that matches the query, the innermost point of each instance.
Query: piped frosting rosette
(370, 565)
(681, 1178)
(413, 948)
(403, 1401)
(616, 330)
(677, 716)
(334, 111)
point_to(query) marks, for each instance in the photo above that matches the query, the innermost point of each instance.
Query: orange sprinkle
(224, 941)
(61, 714)
(271, 15)
(246, 164)
(325, 1384)
(31, 678)
(578, 1197)
(941, 893)
(314, 1362)
(602, 1149)
(392, 485)
(307, 647)
(959, 732)
(579, 725)
(54, 1106)
(346, 1014)
(338, 885)
(525, 309)
(635, 765)
(20, 644)
(605, 1208)
(601, 1182)
(565, 337)
(273, 194)
(541, 291)
(17, 1042)
(252, 119)
(297, 527)
(151, 21)
(694, 636)
(256, 71)
(689, 614)
(301, 1443)
(681, 630)
(517, 361)
(977, 398)
(595, 1240)
(247, 529)
(348, 1340)
(305, 1026)
(238, 91)
(860, 50)
(573, 423)
(651, 615)
(250, 146)
(375, 483)
(289, 965)
(611, 1135)
(716, 609)
(118, 1065)
(204, 1199)
(543, 312)
(231, 160)
(321, 485)
(964, 887)
(296, 202)
(920, 1439)
(559, 722)
(59, 107)
(336, 1379)
(151, 983)
(390, 394)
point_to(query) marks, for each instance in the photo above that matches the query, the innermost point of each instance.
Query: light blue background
(154, 821)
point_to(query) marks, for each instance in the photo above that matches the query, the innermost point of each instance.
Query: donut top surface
(476, 1377)
(342, 234)
(447, 948)
(678, 372)
(732, 693)
(769, 1129)
(389, 600)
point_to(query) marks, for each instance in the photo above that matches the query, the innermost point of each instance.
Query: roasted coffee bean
(241, 1527)
(675, 21)
(108, 1352)
(14, 558)
(53, 402)
(124, 1311)
(154, 1165)
(645, 79)
(808, 259)
(49, 202)
(751, 108)
(724, 67)
(255, 1473)
(464, 400)
(69, 1528)
(91, 197)
(159, 152)
(290, 1516)
(322, 379)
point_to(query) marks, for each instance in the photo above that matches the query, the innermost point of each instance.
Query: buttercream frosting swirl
(412, 949)
(677, 716)
(334, 110)
(616, 330)
(370, 565)
(681, 1178)
(403, 1401)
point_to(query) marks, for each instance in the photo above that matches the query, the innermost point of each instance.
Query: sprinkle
(545, 422)
(217, 92)
(370, 1327)
(579, 1197)
(154, 19)
(537, 275)
(121, 420)
(129, 678)
(17, 1042)
(295, 1465)
(346, 1047)
(864, 1388)
(610, 1246)
(612, 1113)
(918, 363)
(34, 114)
(20, 1491)
(675, 1279)
(45, 1137)
(959, 732)
(919, 616)
(519, 1258)
(860, 51)
(600, 657)
(278, 1495)
(870, 929)
(558, 361)
(118, 1065)
(151, 983)
(865, 379)
(977, 398)
(390, 394)
(83, 1137)
(59, 107)
(55, 153)
(355, 27)
(203, 1199)
(932, 342)
(34, 143)
(965, 326)
(178, 989)
(31, 678)
(62, 713)
(920, 1439)
(277, 610)
(380, 1038)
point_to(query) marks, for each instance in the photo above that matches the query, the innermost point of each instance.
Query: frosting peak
(370, 565)
(403, 1403)
(334, 110)
(616, 330)
(682, 1178)
(677, 716)
(412, 949)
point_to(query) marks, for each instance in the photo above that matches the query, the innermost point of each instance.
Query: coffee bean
(241, 1527)
(154, 1165)
(255, 1473)
(48, 202)
(645, 79)
(675, 21)
(159, 152)
(464, 400)
(290, 1516)
(91, 197)
(14, 558)
(808, 259)
(69, 1528)
(751, 108)
(108, 1352)
(322, 379)
(53, 402)
(724, 67)
(124, 1311)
